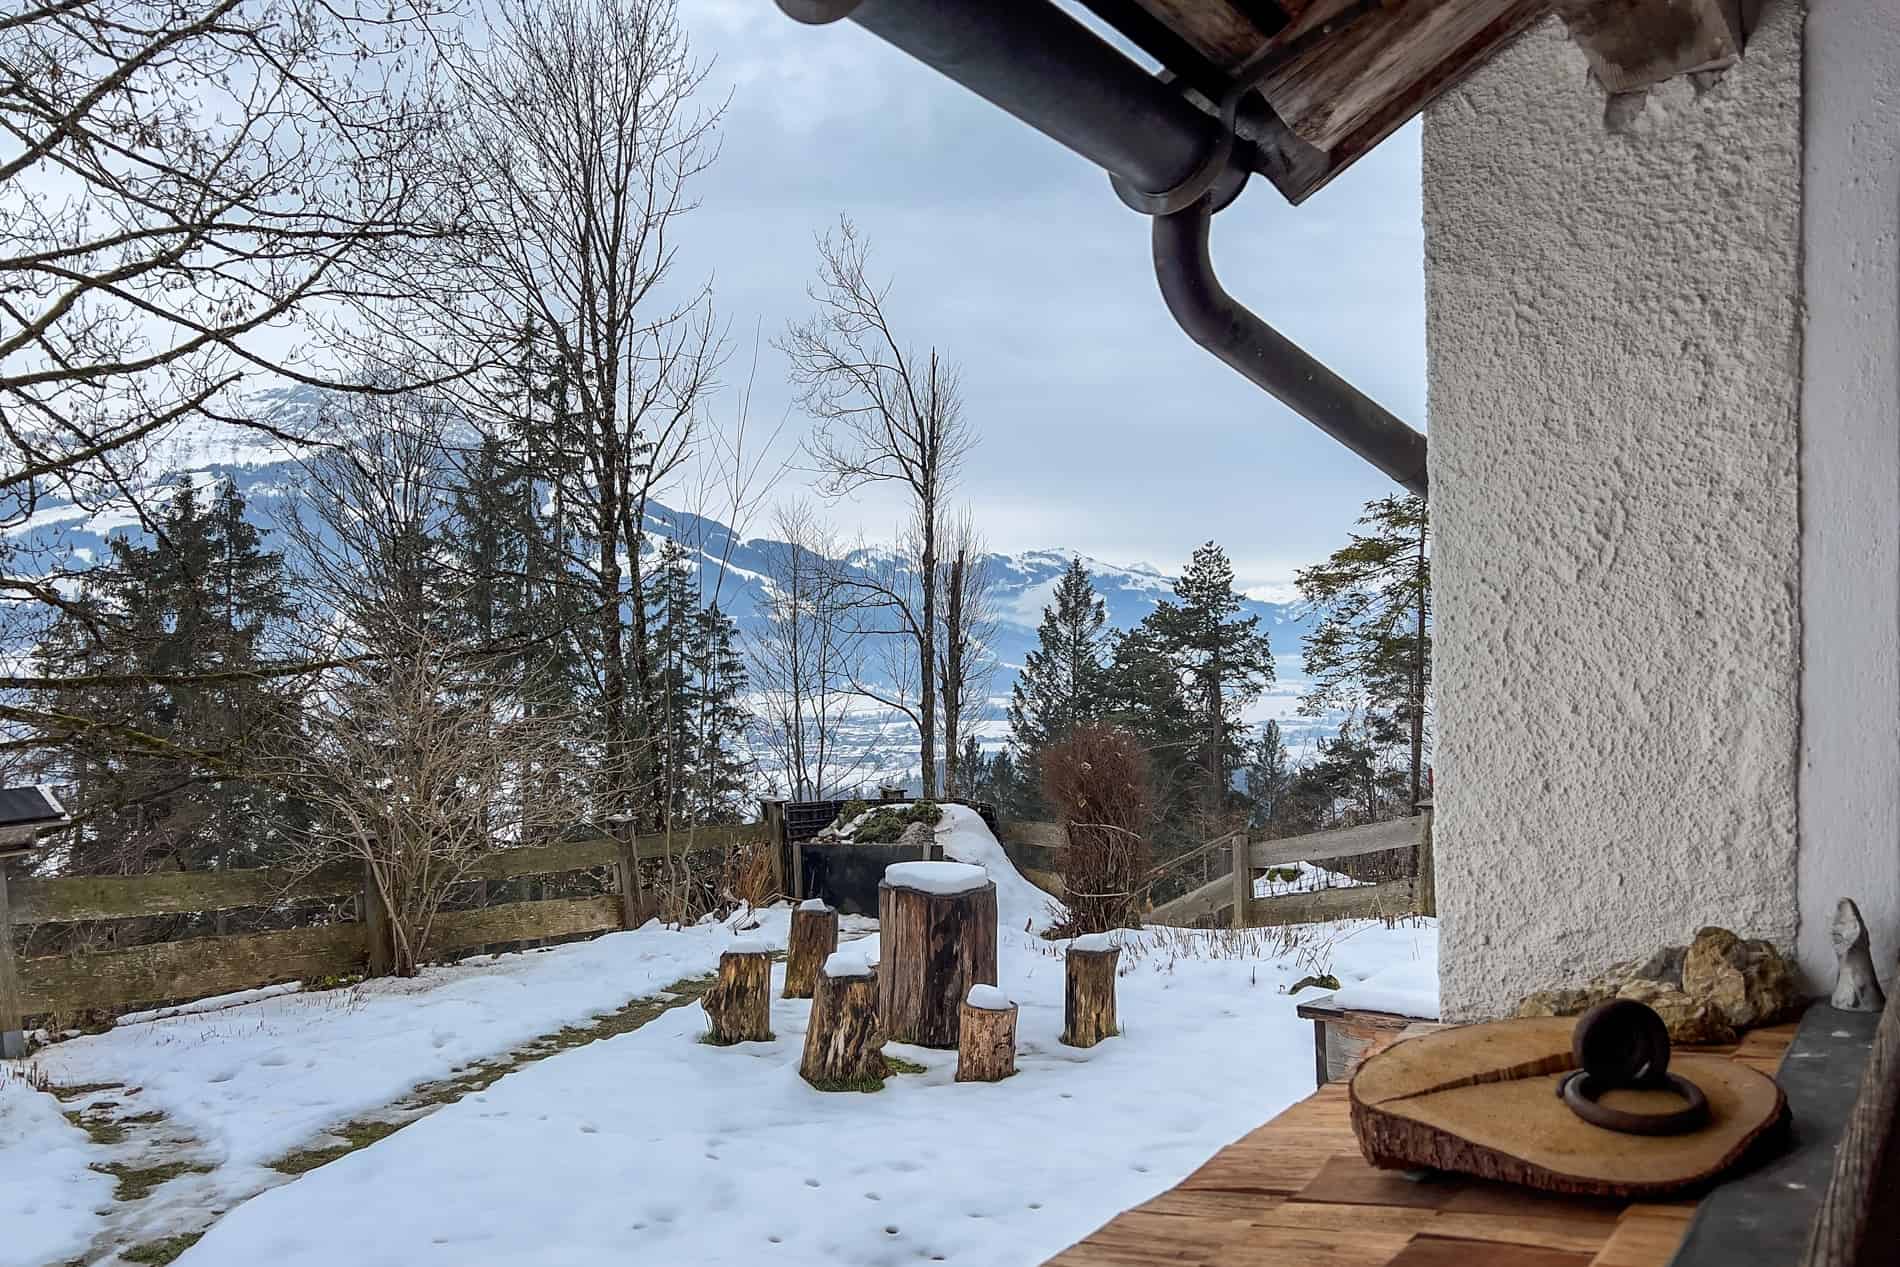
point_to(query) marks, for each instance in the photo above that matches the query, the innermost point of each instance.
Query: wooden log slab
(739, 1005)
(814, 937)
(937, 938)
(986, 1041)
(1482, 1100)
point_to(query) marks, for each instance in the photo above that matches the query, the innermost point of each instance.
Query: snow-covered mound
(1020, 905)
(1307, 878)
(1406, 988)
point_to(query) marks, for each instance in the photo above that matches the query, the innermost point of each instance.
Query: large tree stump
(844, 1048)
(740, 1003)
(814, 938)
(937, 925)
(986, 1044)
(1088, 996)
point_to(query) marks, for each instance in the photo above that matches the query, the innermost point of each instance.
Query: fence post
(1425, 881)
(12, 1024)
(772, 813)
(382, 956)
(627, 875)
(1243, 879)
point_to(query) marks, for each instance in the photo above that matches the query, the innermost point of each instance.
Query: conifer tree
(1269, 774)
(722, 772)
(1371, 650)
(1064, 680)
(1223, 662)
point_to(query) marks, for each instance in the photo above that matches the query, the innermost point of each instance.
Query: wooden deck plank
(1295, 1192)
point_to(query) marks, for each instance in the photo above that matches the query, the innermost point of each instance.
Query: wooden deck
(1296, 1192)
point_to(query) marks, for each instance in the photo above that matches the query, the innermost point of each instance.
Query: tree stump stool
(986, 1045)
(740, 1003)
(937, 924)
(814, 938)
(844, 1048)
(1088, 996)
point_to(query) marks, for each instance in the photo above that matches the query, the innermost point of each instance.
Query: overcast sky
(1100, 427)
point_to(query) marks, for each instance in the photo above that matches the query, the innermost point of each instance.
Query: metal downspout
(1033, 60)
(1268, 359)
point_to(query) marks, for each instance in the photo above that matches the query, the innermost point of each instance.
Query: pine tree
(1223, 661)
(669, 705)
(196, 602)
(1269, 774)
(1064, 680)
(721, 771)
(1371, 650)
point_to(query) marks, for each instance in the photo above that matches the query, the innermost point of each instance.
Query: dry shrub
(1097, 779)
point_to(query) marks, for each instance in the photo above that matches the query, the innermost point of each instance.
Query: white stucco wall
(1850, 478)
(1614, 350)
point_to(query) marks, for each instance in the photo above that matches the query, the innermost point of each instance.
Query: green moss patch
(136, 1182)
(161, 1251)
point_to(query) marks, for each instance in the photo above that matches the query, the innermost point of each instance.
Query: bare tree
(967, 663)
(413, 772)
(575, 138)
(183, 179)
(885, 413)
(803, 658)
(187, 187)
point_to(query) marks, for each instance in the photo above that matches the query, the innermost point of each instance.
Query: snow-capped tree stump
(740, 1003)
(937, 924)
(844, 1048)
(814, 938)
(986, 1042)
(1088, 996)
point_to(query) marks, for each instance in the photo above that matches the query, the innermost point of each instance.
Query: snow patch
(840, 964)
(941, 879)
(1095, 943)
(988, 998)
(1404, 989)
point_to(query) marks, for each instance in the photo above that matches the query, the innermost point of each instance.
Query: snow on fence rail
(341, 941)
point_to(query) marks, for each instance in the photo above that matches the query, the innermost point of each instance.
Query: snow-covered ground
(651, 1146)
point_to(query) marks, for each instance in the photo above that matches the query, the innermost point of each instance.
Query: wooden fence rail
(196, 967)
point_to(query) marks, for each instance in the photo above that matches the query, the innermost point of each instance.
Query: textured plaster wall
(1614, 356)
(1850, 478)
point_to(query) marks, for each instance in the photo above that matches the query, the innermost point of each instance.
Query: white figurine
(1855, 987)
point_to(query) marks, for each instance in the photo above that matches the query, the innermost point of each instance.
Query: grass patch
(74, 1090)
(432, 1095)
(899, 1065)
(136, 1182)
(865, 1085)
(161, 1251)
(712, 1040)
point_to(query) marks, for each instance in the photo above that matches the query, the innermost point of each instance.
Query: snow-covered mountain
(266, 472)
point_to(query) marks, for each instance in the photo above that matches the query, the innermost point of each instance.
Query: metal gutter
(1165, 155)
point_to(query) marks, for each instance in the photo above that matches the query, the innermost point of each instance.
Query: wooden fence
(351, 938)
(1388, 863)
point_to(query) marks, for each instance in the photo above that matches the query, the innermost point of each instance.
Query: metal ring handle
(1579, 1092)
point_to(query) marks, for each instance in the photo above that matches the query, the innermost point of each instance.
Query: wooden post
(381, 948)
(740, 1003)
(12, 1023)
(627, 876)
(1243, 879)
(937, 924)
(986, 1038)
(844, 1048)
(772, 814)
(1425, 882)
(1088, 996)
(813, 939)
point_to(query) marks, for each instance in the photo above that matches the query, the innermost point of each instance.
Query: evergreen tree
(1223, 662)
(1371, 650)
(1146, 698)
(1064, 680)
(722, 772)
(196, 603)
(1269, 773)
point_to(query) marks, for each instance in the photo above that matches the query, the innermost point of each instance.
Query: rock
(1690, 1020)
(1856, 989)
(1748, 982)
(918, 836)
(1570, 1002)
